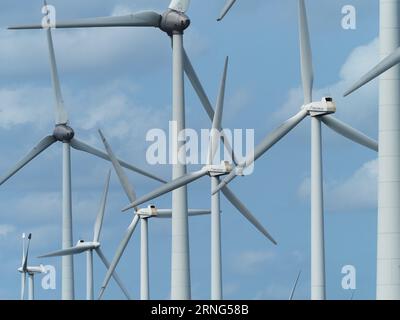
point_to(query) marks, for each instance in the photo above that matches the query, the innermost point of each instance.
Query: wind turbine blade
(173, 185)
(217, 120)
(205, 102)
(61, 113)
(269, 141)
(82, 146)
(23, 284)
(140, 19)
(179, 5)
(294, 286)
(114, 275)
(38, 149)
(23, 249)
(307, 73)
(25, 263)
(100, 215)
(228, 5)
(120, 250)
(246, 213)
(350, 133)
(380, 68)
(65, 252)
(123, 179)
(167, 213)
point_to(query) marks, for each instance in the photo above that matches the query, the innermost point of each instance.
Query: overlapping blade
(61, 113)
(217, 121)
(350, 133)
(173, 185)
(120, 251)
(82, 146)
(100, 215)
(228, 5)
(307, 73)
(179, 5)
(387, 63)
(123, 179)
(246, 213)
(38, 149)
(140, 19)
(114, 275)
(205, 102)
(269, 141)
(25, 262)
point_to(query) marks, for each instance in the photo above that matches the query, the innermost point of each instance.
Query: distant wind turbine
(27, 270)
(142, 215)
(90, 247)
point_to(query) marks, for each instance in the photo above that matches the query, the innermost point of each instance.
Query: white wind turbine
(214, 172)
(142, 215)
(25, 270)
(173, 22)
(93, 246)
(388, 233)
(64, 134)
(319, 111)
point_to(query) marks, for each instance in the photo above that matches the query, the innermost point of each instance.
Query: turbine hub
(63, 133)
(174, 22)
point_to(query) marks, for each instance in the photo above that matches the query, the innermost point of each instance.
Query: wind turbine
(173, 22)
(28, 270)
(93, 246)
(64, 134)
(388, 239)
(319, 111)
(140, 214)
(214, 172)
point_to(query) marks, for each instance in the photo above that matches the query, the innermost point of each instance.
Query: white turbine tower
(214, 171)
(142, 215)
(93, 246)
(318, 111)
(25, 270)
(388, 254)
(64, 134)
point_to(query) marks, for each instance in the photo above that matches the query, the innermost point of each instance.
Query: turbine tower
(64, 134)
(388, 253)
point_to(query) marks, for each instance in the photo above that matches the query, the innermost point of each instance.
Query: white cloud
(249, 261)
(357, 192)
(5, 230)
(359, 109)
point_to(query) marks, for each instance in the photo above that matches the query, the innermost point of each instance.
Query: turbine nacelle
(63, 133)
(150, 211)
(32, 270)
(173, 21)
(219, 170)
(87, 245)
(319, 108)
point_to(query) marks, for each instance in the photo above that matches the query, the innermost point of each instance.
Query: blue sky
(120, 80)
